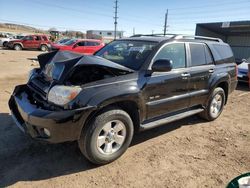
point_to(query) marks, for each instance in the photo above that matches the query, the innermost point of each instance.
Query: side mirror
(162, 65)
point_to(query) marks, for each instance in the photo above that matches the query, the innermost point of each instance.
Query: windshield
(70, 42)
(131, 54)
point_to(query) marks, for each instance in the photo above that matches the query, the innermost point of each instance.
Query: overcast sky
(146, 16)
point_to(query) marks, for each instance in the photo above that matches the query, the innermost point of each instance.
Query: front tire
(215, 105)
(107, 136)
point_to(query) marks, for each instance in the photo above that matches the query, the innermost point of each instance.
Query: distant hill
(17, 28)
(9, 27)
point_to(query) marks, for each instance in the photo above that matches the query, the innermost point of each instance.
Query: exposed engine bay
(85, 74)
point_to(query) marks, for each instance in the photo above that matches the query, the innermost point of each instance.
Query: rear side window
(200, 55)
(175, 52)
(209, 58)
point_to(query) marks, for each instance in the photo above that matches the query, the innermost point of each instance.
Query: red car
(40, 42)
(85, 46)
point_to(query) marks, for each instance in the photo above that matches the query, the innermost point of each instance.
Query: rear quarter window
(222, 53)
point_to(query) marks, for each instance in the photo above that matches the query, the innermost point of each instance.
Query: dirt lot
(188, 153)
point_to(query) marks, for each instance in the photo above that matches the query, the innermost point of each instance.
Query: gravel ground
(188, 153)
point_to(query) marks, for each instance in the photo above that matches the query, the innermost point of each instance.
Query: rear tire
(44, 48)
(17, 47)
(107, 136)
(215, 105)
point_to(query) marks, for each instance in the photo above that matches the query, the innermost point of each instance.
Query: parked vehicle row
(42, 42)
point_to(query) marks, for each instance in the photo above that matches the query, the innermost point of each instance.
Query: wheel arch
(129, 106)
(18, 43)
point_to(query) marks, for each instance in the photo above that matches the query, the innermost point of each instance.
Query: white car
(6, 38)
(243, 71)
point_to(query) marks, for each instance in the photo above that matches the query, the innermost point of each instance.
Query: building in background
(236, 34)
(106, 35)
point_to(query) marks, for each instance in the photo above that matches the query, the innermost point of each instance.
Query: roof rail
(197, 37)
(154, 35)
(178, 36)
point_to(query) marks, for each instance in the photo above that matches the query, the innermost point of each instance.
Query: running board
(170, 119)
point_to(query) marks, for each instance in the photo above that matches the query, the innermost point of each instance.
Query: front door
(79, 47)
(167, 92)
(28, 42)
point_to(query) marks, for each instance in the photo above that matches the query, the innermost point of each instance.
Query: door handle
(211, 70)
(185, 75)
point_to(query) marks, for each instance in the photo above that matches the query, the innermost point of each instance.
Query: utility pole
(116, 7)
(166, 23)
(133, 31)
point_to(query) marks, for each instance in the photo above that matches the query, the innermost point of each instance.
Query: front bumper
(63, 125)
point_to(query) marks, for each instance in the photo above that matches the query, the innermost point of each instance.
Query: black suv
(130, 85)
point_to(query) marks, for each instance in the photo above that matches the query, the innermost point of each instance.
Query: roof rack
(154, 35)
(197, 37)
(179, 36)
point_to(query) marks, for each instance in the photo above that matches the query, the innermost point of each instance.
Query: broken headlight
(61, 95)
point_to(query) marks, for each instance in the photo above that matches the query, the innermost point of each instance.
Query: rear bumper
(33, 120)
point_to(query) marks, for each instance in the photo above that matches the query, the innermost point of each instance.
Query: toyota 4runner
(130, 85)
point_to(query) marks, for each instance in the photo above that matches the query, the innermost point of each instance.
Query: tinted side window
(44, 38)
(28, 38)
(81, 43)
(209, 58)
(37, 38)
(89, 43)
(222, 53)
(175, 52)
(198, 56)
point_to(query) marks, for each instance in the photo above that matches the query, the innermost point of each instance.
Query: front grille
(40, 86)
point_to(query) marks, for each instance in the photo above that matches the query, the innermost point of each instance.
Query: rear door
(201, 68)
(36, 42)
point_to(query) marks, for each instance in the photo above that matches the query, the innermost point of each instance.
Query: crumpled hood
(71, 59)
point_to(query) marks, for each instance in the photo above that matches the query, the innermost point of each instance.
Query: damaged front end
(48, 107)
